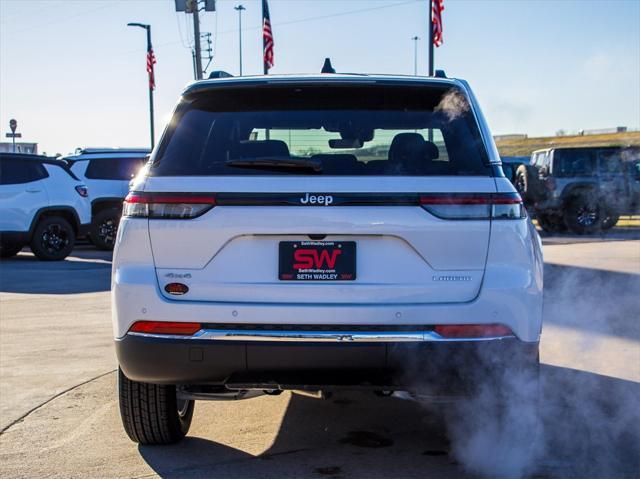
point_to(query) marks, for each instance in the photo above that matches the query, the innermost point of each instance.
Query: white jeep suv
(107, 172)
(42, 204)
(319, 232)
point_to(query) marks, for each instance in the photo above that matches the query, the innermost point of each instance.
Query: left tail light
(82, 190)
(475, 206)
(167, 205)
(165, 327)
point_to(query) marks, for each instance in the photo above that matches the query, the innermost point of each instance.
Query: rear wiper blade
(274, 162)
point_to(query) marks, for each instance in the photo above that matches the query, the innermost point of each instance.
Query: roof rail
(81, 151)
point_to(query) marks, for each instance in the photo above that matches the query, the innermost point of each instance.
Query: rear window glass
(114, 168)
(575, 162)
(332, 131)
(13, 172)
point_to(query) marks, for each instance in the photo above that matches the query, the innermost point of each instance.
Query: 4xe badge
(317, 261)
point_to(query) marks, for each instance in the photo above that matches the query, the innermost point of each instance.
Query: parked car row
(48, 203)
(583, 190)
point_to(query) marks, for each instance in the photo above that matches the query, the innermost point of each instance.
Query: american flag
(151, 60)
(436, 17)
(267, 38)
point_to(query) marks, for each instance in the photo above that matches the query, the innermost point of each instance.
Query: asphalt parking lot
(59, 416)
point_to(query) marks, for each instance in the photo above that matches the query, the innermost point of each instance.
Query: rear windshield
(114, 168)
(368, 130)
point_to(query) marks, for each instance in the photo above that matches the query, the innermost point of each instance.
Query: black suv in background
(584, 190)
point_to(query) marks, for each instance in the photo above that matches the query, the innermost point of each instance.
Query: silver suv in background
(107, 172)
(584, 190)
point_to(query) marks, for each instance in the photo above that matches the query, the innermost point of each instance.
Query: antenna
(327, 67)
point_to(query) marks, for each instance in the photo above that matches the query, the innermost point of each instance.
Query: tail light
(452, 206)
(82, 190)
(459, 331)
(167, 205)
(165, 327)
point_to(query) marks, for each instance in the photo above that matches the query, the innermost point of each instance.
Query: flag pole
(151, 77)
(151, 122)
(265, 67)
(431, 49)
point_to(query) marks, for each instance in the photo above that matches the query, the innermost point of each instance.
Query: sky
(73, 74)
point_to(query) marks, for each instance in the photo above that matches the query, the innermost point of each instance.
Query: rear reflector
(474, 206)
(167, 205)
(165, 327)
(472, 330)
(176, 289)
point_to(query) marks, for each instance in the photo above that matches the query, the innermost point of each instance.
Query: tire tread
(148, 412)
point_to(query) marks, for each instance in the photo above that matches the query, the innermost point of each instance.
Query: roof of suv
(350, 78)
(115, 153)
(603, 147)
(49, 160)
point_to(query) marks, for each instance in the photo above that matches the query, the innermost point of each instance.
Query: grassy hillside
(524, 147)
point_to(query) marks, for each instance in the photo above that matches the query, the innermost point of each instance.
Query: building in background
(21, 147)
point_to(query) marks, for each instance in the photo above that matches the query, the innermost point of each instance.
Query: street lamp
(239, 9)
(150, 62)
(415, 54)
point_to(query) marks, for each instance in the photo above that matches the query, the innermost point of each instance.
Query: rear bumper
(309, 365)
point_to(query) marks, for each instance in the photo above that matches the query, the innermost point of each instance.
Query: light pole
(150, 62)
(431, 60)
(415, 54)
(240, 8)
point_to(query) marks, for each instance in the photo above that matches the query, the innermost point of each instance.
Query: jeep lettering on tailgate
(323, 200)
(317, 261)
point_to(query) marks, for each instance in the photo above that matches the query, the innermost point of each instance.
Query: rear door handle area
(33, 190)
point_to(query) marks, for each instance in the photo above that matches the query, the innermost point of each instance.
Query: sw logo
(323, 200)
(314, 259)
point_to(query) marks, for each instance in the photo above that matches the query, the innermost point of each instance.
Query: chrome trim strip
(316, 336)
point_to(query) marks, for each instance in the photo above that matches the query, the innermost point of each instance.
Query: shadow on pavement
(85, 271)
(601, 301)
(591, 429)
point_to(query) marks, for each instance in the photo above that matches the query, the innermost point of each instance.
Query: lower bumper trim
(317, 336)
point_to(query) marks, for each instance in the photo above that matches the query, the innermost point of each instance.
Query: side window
(545, 159)
(610, 162)
(15, 172)
(538, 159)
(575, 162)
(113, 168)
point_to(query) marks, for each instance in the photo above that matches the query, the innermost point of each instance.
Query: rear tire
(9, 250)
(528, 184)
(53, 239)
(583, 215)
(522, 183)
(151, 413)
(104, 228)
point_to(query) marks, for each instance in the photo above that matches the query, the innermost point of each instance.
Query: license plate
(317, 261)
